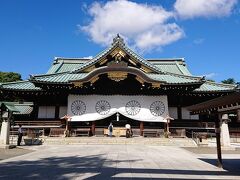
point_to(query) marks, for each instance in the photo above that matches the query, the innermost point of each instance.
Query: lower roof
(19, 108)
(214, 104)
(207, 87)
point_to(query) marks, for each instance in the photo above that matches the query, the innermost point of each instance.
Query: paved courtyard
(117, 162)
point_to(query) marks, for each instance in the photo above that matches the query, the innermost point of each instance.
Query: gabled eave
(118, 43)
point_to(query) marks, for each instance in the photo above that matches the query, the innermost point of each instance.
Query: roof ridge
(165, 59)
(93, 59)
(144, 61)
(178, 66)
(221, 84)
(60, 66)
(41, 75)
(14, 82)
(183, 75)
(71, 58)
(118, 42)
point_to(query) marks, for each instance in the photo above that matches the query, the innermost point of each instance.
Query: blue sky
(206, 34)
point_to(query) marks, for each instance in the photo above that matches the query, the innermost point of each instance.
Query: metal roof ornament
(238, 87)
(118, 39)
(203, 78)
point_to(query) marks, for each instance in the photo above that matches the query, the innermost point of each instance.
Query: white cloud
(204, 8)
(199, 41)
(159, 35)
(143, 26)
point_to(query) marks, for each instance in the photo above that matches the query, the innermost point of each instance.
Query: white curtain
(96, 107)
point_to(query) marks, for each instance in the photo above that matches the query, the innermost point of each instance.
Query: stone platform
(178, 142)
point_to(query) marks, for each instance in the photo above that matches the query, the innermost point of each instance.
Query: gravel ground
(9, 153)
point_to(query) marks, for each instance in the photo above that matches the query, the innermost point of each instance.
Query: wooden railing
(39, 123)
(153, 132)
(191, 123)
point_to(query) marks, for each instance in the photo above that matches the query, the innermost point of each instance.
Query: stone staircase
(179, 142)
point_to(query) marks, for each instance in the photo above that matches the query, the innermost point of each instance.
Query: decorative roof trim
(130, 70)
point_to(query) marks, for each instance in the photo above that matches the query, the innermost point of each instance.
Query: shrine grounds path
(117, 162)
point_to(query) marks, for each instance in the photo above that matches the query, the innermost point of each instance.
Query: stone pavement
(8, 153)
(116, 162)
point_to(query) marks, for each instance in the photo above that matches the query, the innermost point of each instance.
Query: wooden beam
(228, 108)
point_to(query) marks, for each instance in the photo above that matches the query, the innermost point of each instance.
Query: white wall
(173, 112)
(46, 112)
(62, 111)
(186, 115)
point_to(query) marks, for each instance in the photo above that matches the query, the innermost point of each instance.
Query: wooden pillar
(165, 127)
(179, 108)
(35, 111)
(218, 141)
(168, 126)
(93, 127)
(57, 112)
(179, 112)
(141, 128)
(238, 115)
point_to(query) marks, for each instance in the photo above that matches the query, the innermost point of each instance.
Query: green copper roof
(64, 70)
(17, 108)
(176, 66)
(59, 78)
(9, 105)
(212, 86)
(174, 79)
(66, 77)
(24, 108)
(20, 85)
(66, 64)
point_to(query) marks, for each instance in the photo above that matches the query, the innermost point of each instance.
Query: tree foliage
(229, 81)
(211, 80)
(9, 76)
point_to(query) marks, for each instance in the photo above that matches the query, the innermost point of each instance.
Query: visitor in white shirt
(20, 134)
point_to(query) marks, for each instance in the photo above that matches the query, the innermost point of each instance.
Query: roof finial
(118, 39)
(238, 86)
(203, 78)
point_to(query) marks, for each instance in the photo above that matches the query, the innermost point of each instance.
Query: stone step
(180, 142)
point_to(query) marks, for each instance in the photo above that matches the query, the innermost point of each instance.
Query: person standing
(128, 131)
(20, 134)
(110, 129)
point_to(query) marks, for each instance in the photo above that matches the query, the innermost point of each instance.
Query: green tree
(229, 81)
(9, 76)
(211, 80)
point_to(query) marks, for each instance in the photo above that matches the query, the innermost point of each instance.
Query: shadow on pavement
(232, 166)
(96, 167)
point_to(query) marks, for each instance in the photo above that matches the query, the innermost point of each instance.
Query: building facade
(118, 86)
